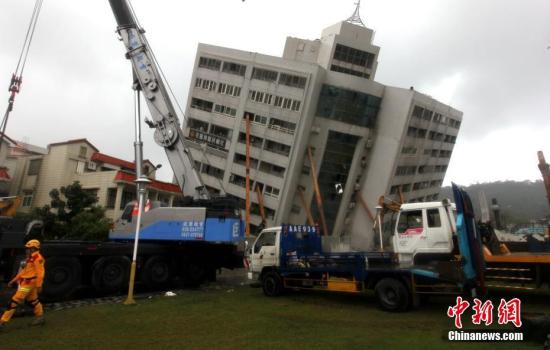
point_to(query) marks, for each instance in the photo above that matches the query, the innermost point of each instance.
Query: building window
(277, 147)
(91, 191)
(205, 84)
(241, 159)
(127, 197)
(225, 110)
(254, 140)
(264, 74)
(348, 106)
(336, 68)
(405, 170)
(427, 115)
(212, 171)
(353, 56)
(203, 105)
(220, 131)
(227, 89)
(34, 167)
(271, 191)
(210, 63)
(234, 68)
(260, 97)
(238, 180)
(80, 167)
(292, 80)
(27, 199)
(256, 118)
(282, 126)
(416, 132)
(111, 198)
(408, 150)
(272, 169)
(82, 152)
(417, 112)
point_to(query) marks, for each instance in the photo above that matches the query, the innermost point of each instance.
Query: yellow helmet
(33, 243)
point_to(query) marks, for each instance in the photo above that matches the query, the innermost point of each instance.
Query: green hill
(520, 202)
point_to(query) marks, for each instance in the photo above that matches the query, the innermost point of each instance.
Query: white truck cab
(423, 228)
(264, 252)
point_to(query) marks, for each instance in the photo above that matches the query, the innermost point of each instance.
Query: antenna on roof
(355, 18)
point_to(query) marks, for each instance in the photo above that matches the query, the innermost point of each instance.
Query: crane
(168, 133)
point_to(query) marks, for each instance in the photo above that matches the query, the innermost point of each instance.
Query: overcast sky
(487, 58)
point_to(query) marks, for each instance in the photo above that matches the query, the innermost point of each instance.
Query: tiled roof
(104, 158)
(122, 176)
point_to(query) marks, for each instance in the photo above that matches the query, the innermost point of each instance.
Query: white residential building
(366, 139)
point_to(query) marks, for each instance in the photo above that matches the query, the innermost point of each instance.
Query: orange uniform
(30, 279)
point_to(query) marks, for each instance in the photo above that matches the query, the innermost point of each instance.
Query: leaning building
(320, 99)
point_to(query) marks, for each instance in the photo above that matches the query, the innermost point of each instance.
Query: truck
(188, 243)
(438, 248)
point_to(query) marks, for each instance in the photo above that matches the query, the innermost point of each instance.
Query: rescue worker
(30, 280)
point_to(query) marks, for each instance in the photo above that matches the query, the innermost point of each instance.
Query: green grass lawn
(243, 318)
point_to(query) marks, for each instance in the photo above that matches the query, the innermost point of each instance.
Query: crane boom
(168, 133)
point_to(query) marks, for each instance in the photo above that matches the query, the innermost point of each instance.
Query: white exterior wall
(380, 147)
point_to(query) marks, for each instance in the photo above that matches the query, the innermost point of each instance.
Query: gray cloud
(77, 83)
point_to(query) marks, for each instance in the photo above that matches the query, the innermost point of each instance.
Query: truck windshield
(265, 239)
(409, 219)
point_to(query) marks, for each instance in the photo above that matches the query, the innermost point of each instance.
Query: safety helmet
(33, 243)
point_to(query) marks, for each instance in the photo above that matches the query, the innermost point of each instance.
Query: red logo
(413, 231)
(508, 312)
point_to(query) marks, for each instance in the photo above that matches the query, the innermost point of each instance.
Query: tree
(73, 213)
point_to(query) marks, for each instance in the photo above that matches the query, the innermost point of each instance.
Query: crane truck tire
(63, 276)
(272, 284)
(193, 274)
(110, 274)
(157, 272)
(392, 294)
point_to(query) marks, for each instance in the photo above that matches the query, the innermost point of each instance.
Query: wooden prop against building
(261, 205)
(364, 205)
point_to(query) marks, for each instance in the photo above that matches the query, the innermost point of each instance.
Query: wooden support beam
(261, 204)
(364, 205)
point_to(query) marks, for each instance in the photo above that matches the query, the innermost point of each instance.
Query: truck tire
(392, 294)
(272, 284)
(63, 276)
(193, 274)
(157, 272)
(110, 274)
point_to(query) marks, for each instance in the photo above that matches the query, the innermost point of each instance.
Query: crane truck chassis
(103, 267)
